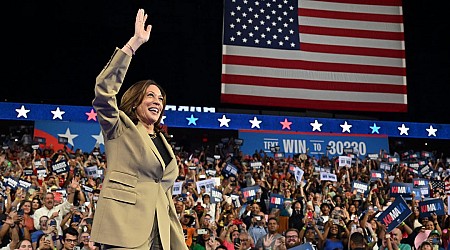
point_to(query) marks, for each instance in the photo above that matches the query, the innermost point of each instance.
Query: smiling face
(151, 106)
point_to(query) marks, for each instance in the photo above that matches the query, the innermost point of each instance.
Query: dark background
(55, 49)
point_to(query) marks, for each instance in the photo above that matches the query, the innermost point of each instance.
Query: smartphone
(20, 212)
(53, 223)
(237, 241)
(202, 231)
(435, 241)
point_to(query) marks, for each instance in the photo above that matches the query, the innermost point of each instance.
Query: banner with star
(80, 135)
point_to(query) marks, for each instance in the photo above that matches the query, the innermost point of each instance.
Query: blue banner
(292, 143)
(429, 206)
(230, 170)
(401, 189)
(395, 214)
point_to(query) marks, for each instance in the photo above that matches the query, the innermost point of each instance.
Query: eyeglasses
(291, 236)
(71, 241)
(244, 240)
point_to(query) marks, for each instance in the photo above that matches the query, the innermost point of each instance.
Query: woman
(334, 237)
(24, 245)
(26, 207)
(135, 209)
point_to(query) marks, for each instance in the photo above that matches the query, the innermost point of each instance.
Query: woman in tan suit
(135, 209)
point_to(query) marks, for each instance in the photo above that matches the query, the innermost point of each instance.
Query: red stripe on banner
(306, 65)
(385, 35)
(368, 2)
(368, 17)
(319, 104)
(391, 53)
(311, 84)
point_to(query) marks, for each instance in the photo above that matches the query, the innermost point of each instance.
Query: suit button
(157, 180)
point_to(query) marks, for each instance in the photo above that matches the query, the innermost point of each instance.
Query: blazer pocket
(123, 178)
(119, 195)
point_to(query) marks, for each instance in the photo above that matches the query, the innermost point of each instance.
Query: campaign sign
(256, 165)
(424, 170)
(10, 182)
(177, 188)
(206, 184)
(292, 143)
(60, 167)
(385, 166)
(345, 161)
(376, 175)
(360, 187)
(230, 170)
(401, 189)
(420, 182)
(24, 184)
(298, 174)
(324, 176)
(216, 195)
(395, 214)
(28, 172)
(430, 206)
(250, 192)
(276, 201)
(291, 168)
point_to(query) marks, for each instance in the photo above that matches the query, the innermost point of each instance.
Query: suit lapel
(150, 144)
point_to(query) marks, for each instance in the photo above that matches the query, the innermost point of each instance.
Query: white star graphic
(69, 136)
(22, 112)
(99, 139)
(403, 130)
(255, 122)
(162, 119)
(345, 127)
(224, 121)
(57, 113)
(316, 126)
(431, 131)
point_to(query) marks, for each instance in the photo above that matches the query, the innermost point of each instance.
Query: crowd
(48, 200)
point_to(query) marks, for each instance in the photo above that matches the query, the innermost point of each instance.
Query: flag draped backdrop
(327, 55)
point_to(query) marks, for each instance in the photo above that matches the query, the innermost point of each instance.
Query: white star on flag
(224, 121)
(431, 131)
(69, 136)
(162, 119)
(316, 126)
(403, 129)
(345, 127)
(99, 139)
(22, 112)
(255, 122)
(57, 113)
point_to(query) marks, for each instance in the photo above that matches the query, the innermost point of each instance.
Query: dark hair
(357, 238)
(291, 230)
(133, 97)
(71, 231)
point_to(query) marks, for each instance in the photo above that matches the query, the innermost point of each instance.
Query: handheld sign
(276, 201)
(250, 192)
(401, 189)
(395, 214)
(360, 187)
(430, 206)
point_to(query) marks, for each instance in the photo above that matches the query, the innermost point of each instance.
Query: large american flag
(329, 55)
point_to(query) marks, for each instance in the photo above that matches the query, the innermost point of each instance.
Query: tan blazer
(137, 183)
